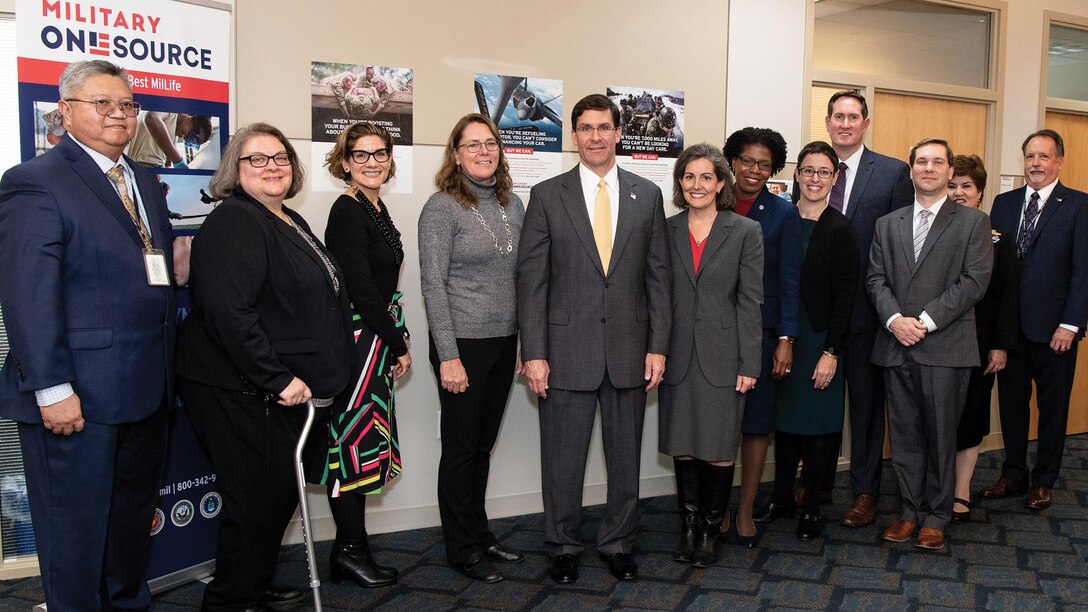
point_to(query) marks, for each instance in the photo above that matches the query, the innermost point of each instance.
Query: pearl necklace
(509, 236)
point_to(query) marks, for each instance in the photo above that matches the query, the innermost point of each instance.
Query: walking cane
(300, 480)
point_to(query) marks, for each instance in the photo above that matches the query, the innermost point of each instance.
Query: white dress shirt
(589, 192)
(933, 210)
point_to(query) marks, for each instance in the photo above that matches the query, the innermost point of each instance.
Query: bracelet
(789, 339)
(831, 355)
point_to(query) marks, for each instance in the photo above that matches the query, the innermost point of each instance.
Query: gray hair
(77, 73)
(225, 180)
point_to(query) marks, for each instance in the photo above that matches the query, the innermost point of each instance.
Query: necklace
(381, 219)
(509, 236)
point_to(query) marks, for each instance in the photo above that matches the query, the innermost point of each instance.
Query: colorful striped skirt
(363, 451)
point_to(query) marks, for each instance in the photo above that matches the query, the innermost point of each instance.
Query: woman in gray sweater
(468, 249)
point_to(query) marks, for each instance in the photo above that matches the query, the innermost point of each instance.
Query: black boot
(351, 559)
(687, 496)
(715, 486)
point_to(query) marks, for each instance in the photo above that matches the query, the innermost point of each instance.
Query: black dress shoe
(772, 510)
(962, 517)
(621, 565)
(279, 596)
(504, 555)
(564, 569)
(480, 569)
(809, 527)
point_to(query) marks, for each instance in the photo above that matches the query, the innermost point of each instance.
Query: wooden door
(900, 121)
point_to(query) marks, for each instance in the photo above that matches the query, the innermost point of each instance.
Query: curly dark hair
(748, 136)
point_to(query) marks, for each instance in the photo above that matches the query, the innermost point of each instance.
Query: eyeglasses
(808, 171)
(474, 146)
(260, 160)
(105, 106)
(604, 129)
(360, 156)
(748, 162)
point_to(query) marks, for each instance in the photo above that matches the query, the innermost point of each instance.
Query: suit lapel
(682, 243)
(92, 175)
(575, 204)
(626, 222)
(1050, 209)
(293, 235)
(148, 188)
(864, 172)
(758, 208)
(905, 229)
(719, 235)
(936, 227)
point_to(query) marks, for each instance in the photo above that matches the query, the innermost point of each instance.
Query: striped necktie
(921, 231)
(117, 175)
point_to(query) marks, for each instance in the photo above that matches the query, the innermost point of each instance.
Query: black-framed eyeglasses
(260, 160)
(360, 156)
(808, 171)
(748, 162)
(474, 146)
(105, 106)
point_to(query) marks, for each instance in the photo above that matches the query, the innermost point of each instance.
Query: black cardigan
(829, 276)
(263, 306)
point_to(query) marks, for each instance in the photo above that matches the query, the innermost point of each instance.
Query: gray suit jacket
(949, 278)
(717, 311)
(570, 312)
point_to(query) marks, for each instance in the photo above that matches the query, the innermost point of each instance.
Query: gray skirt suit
(716, 336)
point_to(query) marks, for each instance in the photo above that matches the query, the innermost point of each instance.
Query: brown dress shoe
(930, 539)
(1038, 498)
(899, 531)
(862, 512)
(1005, 487)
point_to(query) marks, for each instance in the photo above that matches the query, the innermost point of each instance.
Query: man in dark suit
(85, 258)
(928, 267)
(1052, 241)
(594, 284)
(869, 186)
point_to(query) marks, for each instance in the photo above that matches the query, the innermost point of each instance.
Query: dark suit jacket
(997, 316)
(829, 276)
(1054, 268)
(573, 314)
(882, 185)
(73, 287)
(717, 311)
(781, 263)
(263, 306)
(949, 278)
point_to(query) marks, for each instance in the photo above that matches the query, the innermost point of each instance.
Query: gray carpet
(1006, 558)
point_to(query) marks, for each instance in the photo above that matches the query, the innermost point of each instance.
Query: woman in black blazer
(361, 442)
(268, 330)
(811, 400)
(997, 320)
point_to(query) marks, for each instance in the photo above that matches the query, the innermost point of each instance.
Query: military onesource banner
(529, 114)
(342, 94)
(653, 132)
(177, 56)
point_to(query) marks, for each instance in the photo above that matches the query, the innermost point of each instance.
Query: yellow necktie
(602, 224)
(117, 175)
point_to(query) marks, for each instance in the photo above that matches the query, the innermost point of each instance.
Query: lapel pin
(634, 197)
(761, 207)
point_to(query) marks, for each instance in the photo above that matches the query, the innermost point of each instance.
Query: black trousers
(92, 497)
(1053, 375)
(469, 426)
(865, 388)
(817, 452)
(250, 444)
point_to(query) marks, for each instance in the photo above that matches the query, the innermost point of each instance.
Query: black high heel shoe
(768, 512)
(962, 517)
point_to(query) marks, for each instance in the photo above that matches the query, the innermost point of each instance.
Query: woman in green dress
(811, 399)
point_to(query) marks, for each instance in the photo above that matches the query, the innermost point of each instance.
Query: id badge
(155, 262)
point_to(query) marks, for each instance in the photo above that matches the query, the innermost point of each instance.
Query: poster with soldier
(652, 124)
(529, 114)
(342, 94)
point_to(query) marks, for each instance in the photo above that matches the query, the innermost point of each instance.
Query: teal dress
(802, 409)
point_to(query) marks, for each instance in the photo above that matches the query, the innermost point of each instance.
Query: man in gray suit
(594, 282)
(928, 267)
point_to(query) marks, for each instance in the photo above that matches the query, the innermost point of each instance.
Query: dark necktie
(1027, 228)
(839, 190)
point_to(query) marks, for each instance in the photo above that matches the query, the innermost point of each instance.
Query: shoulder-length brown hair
(725, 199)
(449, 177)
(336, 158)
(225, 180)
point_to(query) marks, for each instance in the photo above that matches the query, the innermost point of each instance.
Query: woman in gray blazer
(714, 352)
